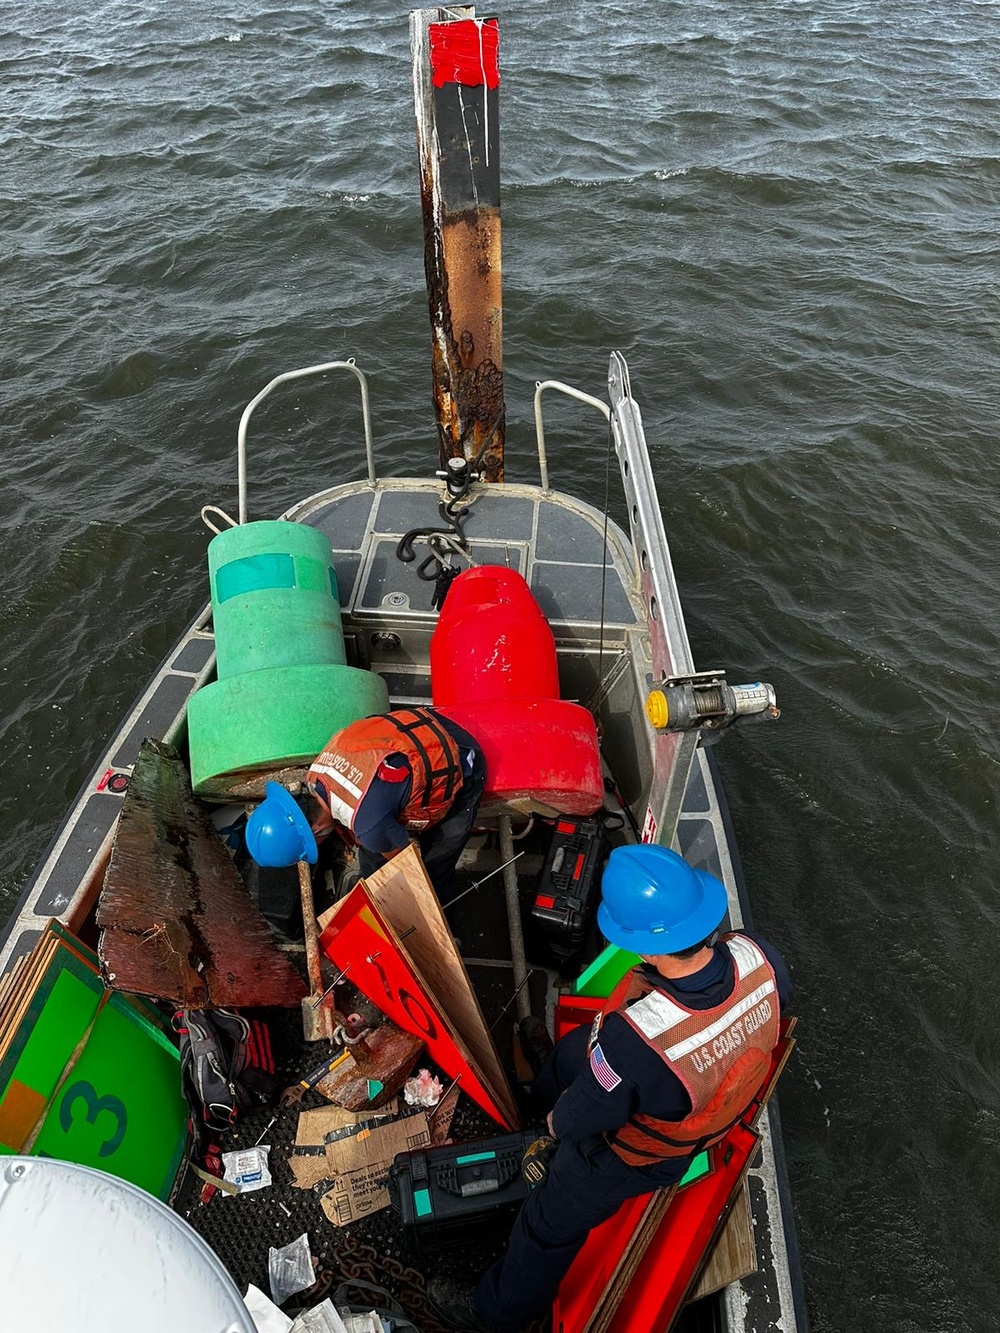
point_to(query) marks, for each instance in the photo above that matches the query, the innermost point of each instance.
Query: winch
(705, 701)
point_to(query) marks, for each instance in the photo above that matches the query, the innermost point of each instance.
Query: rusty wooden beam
(456, 81)
(375, 1071)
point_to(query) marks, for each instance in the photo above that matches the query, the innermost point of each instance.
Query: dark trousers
(587, 1183)
(442, 844)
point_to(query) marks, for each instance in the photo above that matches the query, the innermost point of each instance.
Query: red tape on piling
(465, 51)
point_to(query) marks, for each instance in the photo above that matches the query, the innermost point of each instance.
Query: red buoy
(494, 671)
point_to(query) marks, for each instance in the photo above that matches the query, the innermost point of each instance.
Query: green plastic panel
(698, 1170)
(605, 972)
(120, 1109)
(68, 1010)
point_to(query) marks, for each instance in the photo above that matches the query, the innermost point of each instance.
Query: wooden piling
(456, 81)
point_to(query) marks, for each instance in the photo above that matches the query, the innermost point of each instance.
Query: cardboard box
(358, 1166)
(307, 1161)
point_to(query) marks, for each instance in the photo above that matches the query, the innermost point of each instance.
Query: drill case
(566, 897)
(439, 1192)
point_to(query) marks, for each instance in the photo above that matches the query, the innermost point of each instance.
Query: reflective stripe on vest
(342, 774)
(721, 1055)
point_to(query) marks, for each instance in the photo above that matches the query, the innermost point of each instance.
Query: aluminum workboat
(608, 592)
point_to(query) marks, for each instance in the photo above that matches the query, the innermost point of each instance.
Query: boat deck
(556, 542)
(592, 596)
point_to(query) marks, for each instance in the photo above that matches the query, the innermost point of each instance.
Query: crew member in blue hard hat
(673, 1059)
(384, 778)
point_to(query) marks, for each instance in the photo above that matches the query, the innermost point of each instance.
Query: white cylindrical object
(84, 1252)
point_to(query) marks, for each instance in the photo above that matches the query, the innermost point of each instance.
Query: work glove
(536, 1160)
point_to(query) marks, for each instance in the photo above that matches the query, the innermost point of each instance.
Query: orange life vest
(721, 1055)
(349, 763)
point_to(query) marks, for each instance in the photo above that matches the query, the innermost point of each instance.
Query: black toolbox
(439, 1193)
(566, 896)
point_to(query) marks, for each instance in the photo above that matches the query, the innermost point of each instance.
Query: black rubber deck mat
(241, 1229)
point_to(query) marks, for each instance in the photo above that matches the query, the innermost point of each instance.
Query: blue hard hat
(278, 833)
(653, 902)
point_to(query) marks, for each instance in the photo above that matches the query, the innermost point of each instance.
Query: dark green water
(785, 215)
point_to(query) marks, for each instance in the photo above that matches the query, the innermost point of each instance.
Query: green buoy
(284, 686)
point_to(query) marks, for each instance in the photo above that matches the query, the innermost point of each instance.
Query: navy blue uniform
(379, 831)
(587, 1181)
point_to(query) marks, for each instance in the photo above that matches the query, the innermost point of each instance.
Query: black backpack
(227, 1066)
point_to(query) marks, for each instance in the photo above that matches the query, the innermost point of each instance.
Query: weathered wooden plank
(733, 1256)
(176, 920)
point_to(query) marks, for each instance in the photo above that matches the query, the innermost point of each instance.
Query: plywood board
(20, 996)
(407, 900)
(360, 937)
(8, 981)
(733, 1256)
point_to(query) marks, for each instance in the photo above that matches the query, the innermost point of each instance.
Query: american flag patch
(602, 1071)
